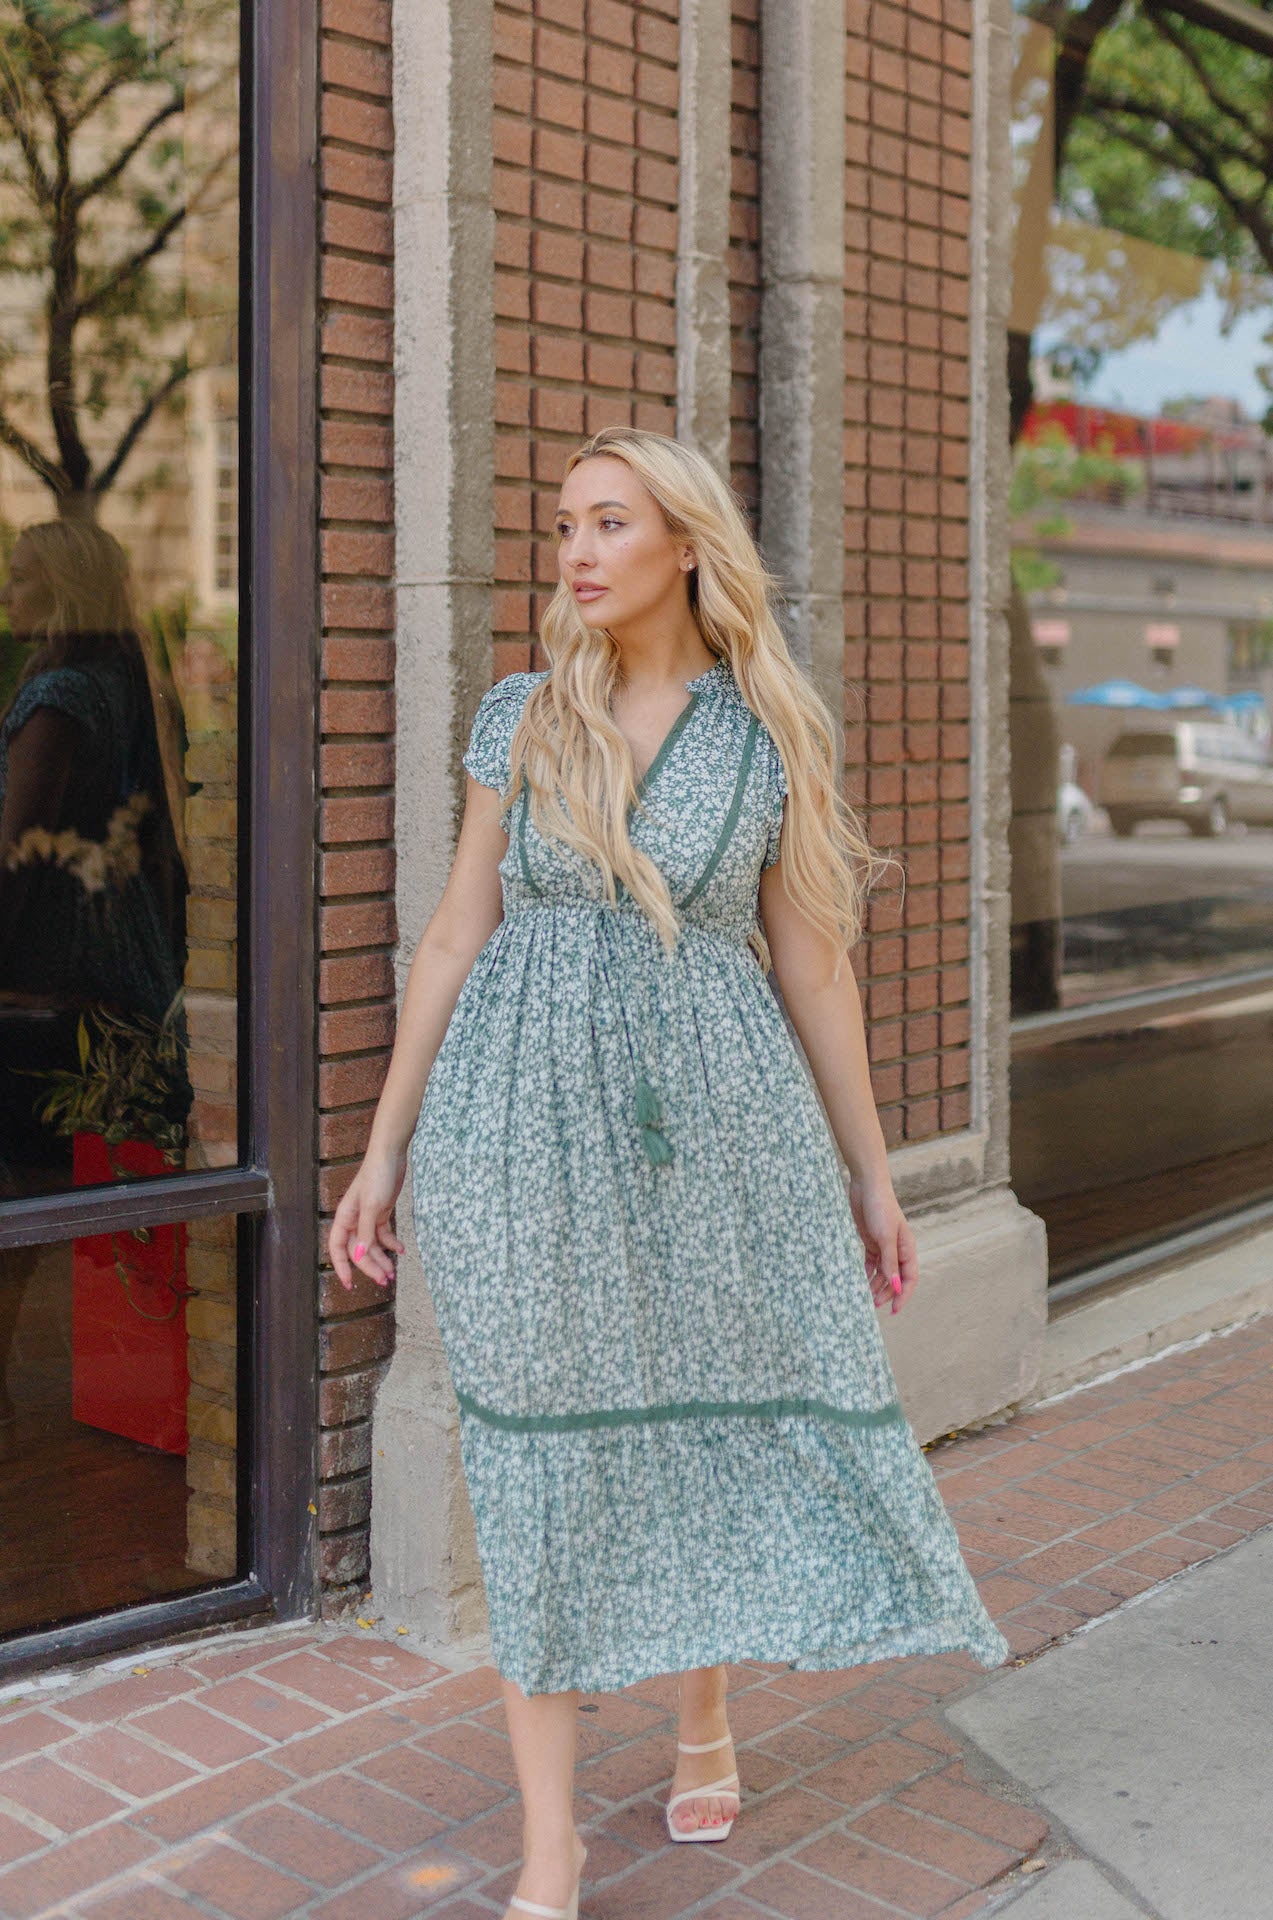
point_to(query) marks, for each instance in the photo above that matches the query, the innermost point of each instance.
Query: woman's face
(23, 595)
(614, 549)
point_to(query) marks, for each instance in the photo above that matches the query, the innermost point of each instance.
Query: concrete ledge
(927, 1171)
(1211, 1291)
(970, 1341)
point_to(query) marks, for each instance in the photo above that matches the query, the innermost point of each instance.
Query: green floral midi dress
(679, 1425)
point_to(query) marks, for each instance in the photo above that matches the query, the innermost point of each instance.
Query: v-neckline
(676, 729)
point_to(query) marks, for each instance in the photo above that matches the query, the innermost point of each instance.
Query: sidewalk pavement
(1150, 1741)
(336, 1773)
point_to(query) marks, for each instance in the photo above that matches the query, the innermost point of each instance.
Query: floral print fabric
(679, 1426)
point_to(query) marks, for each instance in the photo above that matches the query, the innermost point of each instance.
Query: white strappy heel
(570, 1912)
(548, 1913)
(729, 1783)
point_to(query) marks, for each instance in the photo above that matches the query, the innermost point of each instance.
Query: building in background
(982, 355)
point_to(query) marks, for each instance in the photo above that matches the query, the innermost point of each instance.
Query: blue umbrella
(1117, 693)
(1193, 697)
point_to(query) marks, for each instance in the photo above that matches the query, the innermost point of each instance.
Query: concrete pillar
(989, 477)
(424, 1566)
(802, 326)
(702, 258)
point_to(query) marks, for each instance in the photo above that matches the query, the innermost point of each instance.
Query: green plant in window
(131, 1083)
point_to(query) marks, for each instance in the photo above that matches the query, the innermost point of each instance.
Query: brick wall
(357, 922)
(585, 263)
(908, 100)
(585, 190)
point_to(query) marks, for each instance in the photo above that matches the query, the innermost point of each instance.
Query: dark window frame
(274, 1190)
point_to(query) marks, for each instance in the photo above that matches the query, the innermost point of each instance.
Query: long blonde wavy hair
(566, 745)
(89, 608)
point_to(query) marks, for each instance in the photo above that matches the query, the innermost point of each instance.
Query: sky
(1189, 356)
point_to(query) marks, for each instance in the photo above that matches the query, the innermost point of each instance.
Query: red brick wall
(357, 922)
(585, 263)
(908, 99)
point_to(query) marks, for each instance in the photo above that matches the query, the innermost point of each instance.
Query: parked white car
(1204, 772)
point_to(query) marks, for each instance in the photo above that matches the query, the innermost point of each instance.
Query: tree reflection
(1143, 175)
(99, 178)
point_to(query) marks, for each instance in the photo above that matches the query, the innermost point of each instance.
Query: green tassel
(647, 1104)
(658, 1148)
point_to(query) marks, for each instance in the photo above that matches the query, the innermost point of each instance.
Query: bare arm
(467, 914)
(41, 756)
(827, 1016)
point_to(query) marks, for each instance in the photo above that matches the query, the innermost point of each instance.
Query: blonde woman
(93, 882)
(679, 1426)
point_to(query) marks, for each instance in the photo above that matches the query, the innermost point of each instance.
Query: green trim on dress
(647, 1101)
(680, 1410)
(668, 741)
(531, 884)
(731, 818)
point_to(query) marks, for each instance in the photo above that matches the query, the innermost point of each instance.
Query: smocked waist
(578, 904)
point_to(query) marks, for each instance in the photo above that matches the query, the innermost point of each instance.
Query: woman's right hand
(361, 1235)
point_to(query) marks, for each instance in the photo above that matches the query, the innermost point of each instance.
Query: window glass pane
(1140, 370)
(118, 1460)
(119, 557)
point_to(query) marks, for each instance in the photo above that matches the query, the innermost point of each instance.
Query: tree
(1161, 132)
(100, 172)
(1144, 151)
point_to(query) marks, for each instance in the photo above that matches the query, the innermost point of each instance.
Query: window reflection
(118, 1460)
(93, 878)
(1140, 373)
(118, 614)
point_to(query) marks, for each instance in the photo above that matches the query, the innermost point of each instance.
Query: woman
(92, 876)
(679, 1425)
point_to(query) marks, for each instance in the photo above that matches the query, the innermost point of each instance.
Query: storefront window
(119, 274)
(1140, 373)
(118, 1455)
(123, 1332)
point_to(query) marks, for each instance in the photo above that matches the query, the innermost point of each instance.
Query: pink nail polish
(896, 1282)
(359, 1251)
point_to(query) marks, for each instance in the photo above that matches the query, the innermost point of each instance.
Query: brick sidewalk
(336, 1774)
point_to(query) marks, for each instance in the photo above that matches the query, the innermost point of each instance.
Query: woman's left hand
(892, 1264)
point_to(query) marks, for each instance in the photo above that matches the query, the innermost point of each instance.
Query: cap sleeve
(66, 690)
(499, 710)
(777, 795)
